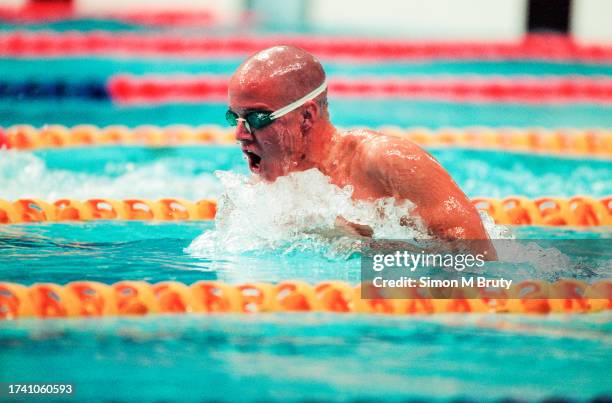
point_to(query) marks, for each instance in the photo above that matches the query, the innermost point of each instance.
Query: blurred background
(485, 20)
(66, 50)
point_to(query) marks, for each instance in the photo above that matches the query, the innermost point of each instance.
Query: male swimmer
(278, 103)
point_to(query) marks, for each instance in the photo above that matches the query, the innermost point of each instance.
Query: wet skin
(376, 165)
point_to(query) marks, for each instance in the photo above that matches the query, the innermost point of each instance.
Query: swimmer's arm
(344, 228)
(405, 171)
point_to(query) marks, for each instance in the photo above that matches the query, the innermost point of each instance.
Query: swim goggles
(259, 119)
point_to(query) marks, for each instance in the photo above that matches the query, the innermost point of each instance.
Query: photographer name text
(428, 282)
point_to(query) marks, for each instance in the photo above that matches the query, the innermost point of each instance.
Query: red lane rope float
(595, 142)
(136, 298)
(574, 211)
(128, 89)
(46, 13)
(61, 44)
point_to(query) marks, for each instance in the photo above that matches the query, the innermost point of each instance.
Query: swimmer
(278, 103)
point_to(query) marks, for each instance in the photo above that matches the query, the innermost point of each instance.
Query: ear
(310, 114)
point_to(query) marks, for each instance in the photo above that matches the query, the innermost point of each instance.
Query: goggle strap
(294, 105)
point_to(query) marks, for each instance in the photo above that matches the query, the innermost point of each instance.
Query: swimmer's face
(276, 149)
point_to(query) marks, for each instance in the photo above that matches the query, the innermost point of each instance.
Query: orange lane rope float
(92, 299)
(591, 142)
(574, 211)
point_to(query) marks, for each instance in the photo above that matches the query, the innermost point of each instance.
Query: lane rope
(53, 89)
(545, 211)
(157, 90)
(52, 13)
(74, 43)
(93, 299)
(128, 89)
(592, 142)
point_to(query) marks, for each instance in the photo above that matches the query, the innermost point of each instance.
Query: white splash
(297, 213)
(495, 231)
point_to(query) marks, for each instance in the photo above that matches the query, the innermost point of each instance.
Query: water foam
(296, 216)
(298, 213)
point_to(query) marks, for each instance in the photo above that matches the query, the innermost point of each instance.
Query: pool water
(277, 356)
(322, 357)
(154, 252)
(188, 172)
(284, 357)
(345, 112)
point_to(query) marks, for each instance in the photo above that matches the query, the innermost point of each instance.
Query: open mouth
(254, 161)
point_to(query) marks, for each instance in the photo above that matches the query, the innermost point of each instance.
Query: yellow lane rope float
(573, 211)
(90, 299)
(591, 142)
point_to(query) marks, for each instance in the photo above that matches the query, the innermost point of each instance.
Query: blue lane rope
(33, 89)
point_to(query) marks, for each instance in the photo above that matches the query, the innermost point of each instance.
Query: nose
(242, 133)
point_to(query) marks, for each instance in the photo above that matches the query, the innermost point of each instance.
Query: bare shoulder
(377, 164)
(377, 151)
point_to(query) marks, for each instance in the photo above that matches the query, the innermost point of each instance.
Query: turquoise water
(273, 356)
(113, 251)
(76, 68)
(344, 112)
(187, 172)
(319, 357)
(81, 24)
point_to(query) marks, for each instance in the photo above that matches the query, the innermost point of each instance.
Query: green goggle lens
(256, 120)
